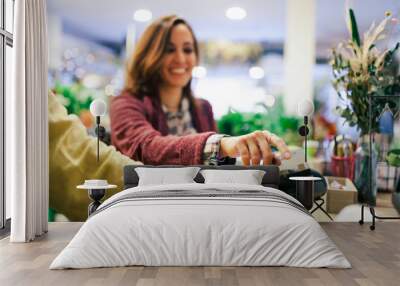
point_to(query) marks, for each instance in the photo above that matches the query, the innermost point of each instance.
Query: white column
(130, 40)
(299, 52)
(54, 30)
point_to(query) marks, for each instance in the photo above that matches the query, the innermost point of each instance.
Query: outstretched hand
(254, 147)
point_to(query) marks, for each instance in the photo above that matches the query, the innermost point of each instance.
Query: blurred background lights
(235, 13)
(256, 72)
(199, 72)
(142, 15)
(109, 90)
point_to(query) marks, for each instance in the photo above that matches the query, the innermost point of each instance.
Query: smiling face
(179, 58)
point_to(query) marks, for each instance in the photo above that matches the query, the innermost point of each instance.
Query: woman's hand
(254, 147)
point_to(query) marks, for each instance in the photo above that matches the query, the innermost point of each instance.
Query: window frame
(6, 39)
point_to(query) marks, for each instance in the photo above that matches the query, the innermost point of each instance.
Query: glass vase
(362, 174)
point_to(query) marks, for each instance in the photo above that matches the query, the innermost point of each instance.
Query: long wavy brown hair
(143, 70)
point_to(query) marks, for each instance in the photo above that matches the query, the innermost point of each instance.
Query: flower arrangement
(361, 69)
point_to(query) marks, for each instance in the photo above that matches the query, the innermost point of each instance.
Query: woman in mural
(157, 120)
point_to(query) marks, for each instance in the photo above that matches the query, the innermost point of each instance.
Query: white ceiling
(107, 19)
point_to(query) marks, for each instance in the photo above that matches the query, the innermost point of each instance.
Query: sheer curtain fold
(29, 123)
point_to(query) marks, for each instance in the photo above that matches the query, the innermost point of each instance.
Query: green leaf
(354, 28)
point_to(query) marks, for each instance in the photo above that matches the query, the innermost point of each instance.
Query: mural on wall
(242, 79)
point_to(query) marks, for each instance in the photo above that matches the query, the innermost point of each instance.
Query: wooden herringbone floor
(375, 257)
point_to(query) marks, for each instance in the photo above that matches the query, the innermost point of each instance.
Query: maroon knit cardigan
(139, 130)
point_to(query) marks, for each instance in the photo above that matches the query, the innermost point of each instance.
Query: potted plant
(361, 69)
(273, 119)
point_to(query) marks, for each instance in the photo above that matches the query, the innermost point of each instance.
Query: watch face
(227, 161)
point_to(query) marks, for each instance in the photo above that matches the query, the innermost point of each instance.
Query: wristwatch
(216, 159)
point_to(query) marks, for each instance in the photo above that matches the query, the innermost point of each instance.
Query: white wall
(54, 30)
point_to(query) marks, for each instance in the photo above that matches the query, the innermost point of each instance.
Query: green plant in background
(360, 70)
(74, 97)
(393, 157)
(273, 119)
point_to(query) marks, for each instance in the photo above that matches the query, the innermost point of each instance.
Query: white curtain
(27, 123)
